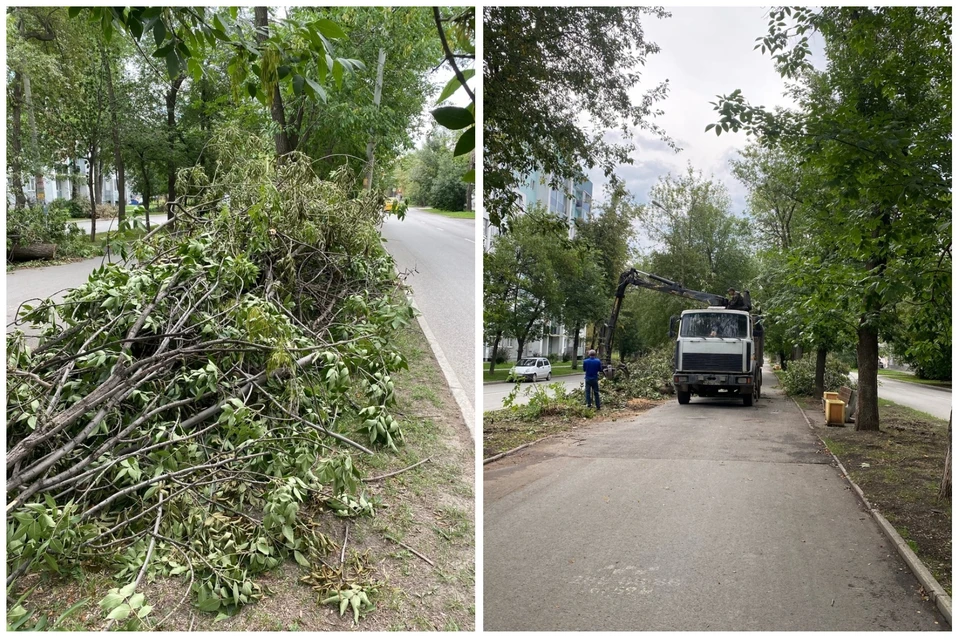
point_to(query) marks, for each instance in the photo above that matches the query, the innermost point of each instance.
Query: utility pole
(368, 180)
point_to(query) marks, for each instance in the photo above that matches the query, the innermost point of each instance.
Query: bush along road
(709, 516)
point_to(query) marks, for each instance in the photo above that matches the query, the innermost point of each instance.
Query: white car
(531, 369)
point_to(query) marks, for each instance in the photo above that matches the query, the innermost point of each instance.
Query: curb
(463, 401)
(920, 571)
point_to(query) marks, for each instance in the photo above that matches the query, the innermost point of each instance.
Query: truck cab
(719, 353)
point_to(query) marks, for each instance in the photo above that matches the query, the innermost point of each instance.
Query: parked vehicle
(531, 370)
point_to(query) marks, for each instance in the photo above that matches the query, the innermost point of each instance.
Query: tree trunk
(115, 132)
(171, 141)
(520, 344)
(98, 181)
(16, 143)
(783, 359)
(33, 252)
(74, 176)
(281, 139)
(40, 193)
(946, 483)
(821, 369)
(493, 352)
(868, 411)
(93, 202)
(576, 347)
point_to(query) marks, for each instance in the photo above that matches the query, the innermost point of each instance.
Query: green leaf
(320, 91)
(298, 85)
(111, 600)
(159, 32)
(453, 118)
(329, 28)
(301, 560)
(122, 612)
(470, 176)
(73, 12)
(288, 532)
(173, 64)
(466, 143)
(145, 611)
(127, 590)
(137, 600)
(454, 84)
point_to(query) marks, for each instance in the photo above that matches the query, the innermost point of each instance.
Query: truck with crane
(719, 350)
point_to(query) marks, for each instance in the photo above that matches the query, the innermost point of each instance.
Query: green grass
(905, 376)
(503, 370)
(451, 214)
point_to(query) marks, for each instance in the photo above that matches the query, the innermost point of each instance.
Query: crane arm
(655, 283)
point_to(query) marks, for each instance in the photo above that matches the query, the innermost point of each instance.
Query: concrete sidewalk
(710, 516)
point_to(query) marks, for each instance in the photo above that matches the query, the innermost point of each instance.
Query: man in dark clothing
(591, 376)
(735, 300)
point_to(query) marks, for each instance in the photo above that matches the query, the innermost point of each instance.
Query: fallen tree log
(32, 252)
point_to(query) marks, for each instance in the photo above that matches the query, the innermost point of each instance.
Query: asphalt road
(936, 402)
(493, 394)
(43, 282)
(438, 254)
(710, 516)
(112, 224)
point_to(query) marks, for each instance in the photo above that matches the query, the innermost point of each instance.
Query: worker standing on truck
(736, 300)
(591, 376)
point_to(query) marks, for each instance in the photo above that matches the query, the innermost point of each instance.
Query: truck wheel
(683, 397)
(748, 399)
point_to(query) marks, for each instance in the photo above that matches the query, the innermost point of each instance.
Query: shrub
(646, 377)
(501, 355)
(800, 377)
(33, 225)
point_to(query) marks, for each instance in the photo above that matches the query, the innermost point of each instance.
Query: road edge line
(459, 395)
(920, 571)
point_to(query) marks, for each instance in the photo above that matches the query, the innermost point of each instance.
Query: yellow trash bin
(834, 411)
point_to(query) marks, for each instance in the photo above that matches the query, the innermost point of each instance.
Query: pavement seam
(920, 570)
(463, 402)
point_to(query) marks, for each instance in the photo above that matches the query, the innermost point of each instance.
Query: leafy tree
(433, 176)
(524, 265)
(876, 123)
(545, 69)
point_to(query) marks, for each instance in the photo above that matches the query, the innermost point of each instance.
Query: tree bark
(33, 252)
(818, 387)
(576, 347)
(520, 344)
(40, 193)
(493, 352)
(946, 483)
(98, 181)
(115, 132)
(868, 410)
(172, 92)
(93, 202)
(281, 139)
(16, 142)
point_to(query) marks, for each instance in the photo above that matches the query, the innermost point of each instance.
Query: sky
(704, 52)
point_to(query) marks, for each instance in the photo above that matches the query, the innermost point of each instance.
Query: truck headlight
(746, 380)
(679, 378)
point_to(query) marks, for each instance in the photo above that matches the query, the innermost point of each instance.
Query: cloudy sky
(704, 52)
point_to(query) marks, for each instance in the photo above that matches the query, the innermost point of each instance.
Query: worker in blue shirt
(591, 378)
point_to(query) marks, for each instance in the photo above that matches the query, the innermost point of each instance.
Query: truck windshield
(714, 325)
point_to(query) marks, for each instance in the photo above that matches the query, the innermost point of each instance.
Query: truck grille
(712, 362)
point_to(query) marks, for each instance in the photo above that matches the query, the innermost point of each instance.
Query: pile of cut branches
(179, 410)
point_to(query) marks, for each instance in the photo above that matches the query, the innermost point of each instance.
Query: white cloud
(704, 51)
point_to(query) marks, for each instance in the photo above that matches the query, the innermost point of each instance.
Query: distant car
(531, 370)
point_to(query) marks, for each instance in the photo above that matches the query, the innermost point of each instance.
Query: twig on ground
(411, 550)
(396, 473)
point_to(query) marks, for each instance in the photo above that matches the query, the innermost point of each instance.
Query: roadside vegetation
(639, 385)
(906, 376)
(452, 214)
